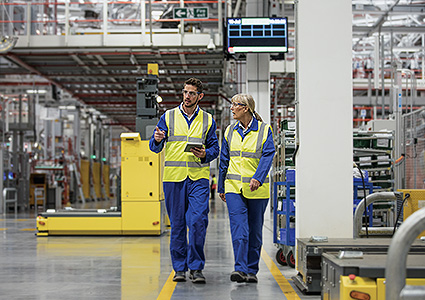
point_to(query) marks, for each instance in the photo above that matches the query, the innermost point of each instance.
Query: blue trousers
(187, 208)
(246, 225)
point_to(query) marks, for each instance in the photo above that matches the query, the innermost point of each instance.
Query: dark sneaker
(238, 276)
(197, 276)
(179, 276)
(252, 278)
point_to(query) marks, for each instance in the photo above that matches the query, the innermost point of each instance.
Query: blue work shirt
(266, 159)
(211, 146)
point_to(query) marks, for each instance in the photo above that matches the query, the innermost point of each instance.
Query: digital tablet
(192, 145)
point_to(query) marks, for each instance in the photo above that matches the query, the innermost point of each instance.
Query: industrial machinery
(400, 274)
(142, 197)
(310, 252)
(363, 275)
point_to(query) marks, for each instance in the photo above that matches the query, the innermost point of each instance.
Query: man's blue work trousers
(246, 225)
(187, 207)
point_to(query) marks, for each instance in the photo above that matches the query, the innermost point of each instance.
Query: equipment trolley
(284, 223)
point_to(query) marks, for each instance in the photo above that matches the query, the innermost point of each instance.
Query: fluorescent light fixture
(68, 107)
(36, 91)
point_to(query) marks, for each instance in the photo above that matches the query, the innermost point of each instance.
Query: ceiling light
(36, 91)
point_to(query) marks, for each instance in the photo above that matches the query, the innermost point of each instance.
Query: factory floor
(122, 267)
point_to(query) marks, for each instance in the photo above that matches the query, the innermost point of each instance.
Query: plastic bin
(291, 205)
(359, 179)
(290, 175)
(287, 240)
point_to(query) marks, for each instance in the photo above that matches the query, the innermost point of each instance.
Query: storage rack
(373, 151)
(285, 148)
(284, 198)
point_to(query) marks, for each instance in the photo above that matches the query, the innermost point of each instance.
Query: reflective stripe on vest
(185, 164)
(244, 159)
(179, 164)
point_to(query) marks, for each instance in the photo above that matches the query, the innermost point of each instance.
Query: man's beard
(192, 105)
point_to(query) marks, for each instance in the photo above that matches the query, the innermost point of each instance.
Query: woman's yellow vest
(179, 164)
(244, 159)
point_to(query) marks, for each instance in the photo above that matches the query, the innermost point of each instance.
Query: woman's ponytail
(257, 116)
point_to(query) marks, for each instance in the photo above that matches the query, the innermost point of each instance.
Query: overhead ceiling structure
(101, 69)
(104, 76)
(105, 79)
(388, 35)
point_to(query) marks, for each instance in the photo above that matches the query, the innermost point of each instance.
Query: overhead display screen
(257, 35)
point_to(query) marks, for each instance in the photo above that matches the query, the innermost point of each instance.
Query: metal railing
(107, 17)
(395, 271)
(358, 214)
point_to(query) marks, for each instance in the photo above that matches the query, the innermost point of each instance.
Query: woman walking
(246, 157)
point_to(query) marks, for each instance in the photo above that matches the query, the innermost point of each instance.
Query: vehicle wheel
(290, 259)
(280, 258)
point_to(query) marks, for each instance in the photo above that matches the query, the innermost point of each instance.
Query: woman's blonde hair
(248, 100)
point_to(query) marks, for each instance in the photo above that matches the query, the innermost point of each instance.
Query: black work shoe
(179, 276)
(238, 276)
(197, 276)
(252, 278)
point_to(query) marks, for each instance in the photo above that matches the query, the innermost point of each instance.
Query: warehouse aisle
(117, 267)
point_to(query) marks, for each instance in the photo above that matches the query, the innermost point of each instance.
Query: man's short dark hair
(196, 83)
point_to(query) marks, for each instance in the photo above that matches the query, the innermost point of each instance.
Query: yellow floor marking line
(28, 229)
(3, 229)
(168, 288)
(283, 283)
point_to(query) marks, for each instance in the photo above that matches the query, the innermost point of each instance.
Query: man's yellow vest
(244, 159)
(179, 164)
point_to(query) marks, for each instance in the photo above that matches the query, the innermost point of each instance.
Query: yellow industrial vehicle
(142, 206)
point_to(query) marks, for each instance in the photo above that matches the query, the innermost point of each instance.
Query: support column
(258, 67)
(324, 180)
(258, 83)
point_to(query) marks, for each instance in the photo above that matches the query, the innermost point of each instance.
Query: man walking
(186, 178)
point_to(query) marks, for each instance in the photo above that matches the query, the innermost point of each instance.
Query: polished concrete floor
(118, 267)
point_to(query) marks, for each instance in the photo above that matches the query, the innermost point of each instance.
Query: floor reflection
(132, 264)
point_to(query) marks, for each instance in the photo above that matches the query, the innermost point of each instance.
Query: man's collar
(194, 112)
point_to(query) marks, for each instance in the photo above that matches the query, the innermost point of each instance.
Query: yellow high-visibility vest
(179, 164)
(244, 159)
